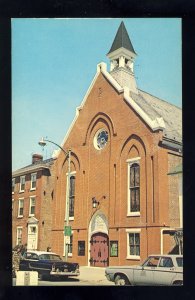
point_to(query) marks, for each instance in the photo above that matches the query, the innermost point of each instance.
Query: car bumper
(109, 277)
(59, 273)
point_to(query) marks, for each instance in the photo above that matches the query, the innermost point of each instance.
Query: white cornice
(102, 67)
(158, 123)
(155, 124)
(78, 109)
(30, 169)
(121, 51)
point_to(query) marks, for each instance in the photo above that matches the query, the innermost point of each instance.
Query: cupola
(122, 55)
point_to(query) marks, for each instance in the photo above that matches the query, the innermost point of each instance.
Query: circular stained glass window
(101, 139)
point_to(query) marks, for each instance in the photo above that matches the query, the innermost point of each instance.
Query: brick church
(123, 205)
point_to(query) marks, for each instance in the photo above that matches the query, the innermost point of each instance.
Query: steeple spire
(122, 55)
(122, 40)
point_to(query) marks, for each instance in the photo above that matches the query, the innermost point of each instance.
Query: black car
(47, 264)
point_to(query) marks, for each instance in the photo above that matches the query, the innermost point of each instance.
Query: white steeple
(122, 57)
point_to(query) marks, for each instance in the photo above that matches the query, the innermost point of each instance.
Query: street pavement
(94, 276)
(88, 276)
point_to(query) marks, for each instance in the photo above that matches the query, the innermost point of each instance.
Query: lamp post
(43, 142)
(95, 203)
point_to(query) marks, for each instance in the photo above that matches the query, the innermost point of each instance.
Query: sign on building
(67, 231)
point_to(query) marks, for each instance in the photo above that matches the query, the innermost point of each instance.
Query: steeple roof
(122, 40)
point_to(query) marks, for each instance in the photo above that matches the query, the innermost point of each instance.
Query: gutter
(30, 170)
(170, 144)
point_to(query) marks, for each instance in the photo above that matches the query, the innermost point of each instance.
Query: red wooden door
(99, 250)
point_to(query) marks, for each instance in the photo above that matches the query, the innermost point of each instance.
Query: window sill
(12, 193)
(31, 215)
(69, 254)
(133, 257)
(22, 191)
(20, 217)
(33, 189)
(133, 214)
(71, 218)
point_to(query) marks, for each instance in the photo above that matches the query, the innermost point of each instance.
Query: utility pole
(67, 205)
(67, 228)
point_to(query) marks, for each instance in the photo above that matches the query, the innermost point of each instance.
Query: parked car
(156, 270)
(47, 264)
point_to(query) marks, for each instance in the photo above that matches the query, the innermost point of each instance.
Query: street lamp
(95, 203)
(43, 142)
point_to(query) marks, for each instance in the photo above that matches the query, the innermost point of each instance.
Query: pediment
(32, 220)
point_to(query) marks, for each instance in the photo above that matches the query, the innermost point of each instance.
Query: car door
(144, 275)
(165, 272)
(28, 262)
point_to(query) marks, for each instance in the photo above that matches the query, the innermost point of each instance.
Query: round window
(101, 139)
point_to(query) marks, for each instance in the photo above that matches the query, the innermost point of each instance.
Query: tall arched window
(72, 196)
(134, 187)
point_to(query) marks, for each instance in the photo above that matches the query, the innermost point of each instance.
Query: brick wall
(173, 183)
(103, 175)
(43, 207)
(46, 209)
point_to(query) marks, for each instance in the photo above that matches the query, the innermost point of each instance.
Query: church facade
(122, 205)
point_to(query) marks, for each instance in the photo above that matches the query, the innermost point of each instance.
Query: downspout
(146, 206)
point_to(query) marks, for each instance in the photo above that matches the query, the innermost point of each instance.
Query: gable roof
(38, 165)
(158, 114)
(122, 40)
(155, 107)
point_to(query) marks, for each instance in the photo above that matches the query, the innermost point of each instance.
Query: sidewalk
(89, 276)
(93, 274)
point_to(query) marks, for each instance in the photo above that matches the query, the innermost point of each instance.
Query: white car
(156, 270)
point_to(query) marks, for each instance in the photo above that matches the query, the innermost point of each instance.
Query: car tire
(178, 283)
(40, 276)
(121, 280)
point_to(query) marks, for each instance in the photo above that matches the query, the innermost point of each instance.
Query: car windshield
(151, 262)
(179, 261)
(49, 257)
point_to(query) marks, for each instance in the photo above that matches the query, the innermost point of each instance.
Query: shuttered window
(33, 181)
(22, 183)
(32, 206)
(20, 207)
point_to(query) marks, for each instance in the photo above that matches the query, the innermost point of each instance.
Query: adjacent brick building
(32, 198)
(124, 142)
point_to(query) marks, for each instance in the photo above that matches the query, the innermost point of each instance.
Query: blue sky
(54, 62)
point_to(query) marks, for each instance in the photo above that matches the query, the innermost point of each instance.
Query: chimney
(36, 158)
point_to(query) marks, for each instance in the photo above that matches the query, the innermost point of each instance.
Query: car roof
(40, 252)
(166, 255)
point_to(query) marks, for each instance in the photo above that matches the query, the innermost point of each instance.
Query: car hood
(124, 267)
(58, 262)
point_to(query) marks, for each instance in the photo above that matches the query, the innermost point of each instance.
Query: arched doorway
(99, 250)
(98, 241)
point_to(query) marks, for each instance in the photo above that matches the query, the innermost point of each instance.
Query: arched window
(72, 196)
(134, 187)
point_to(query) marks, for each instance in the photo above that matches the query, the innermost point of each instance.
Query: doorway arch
(98, 255)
